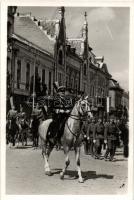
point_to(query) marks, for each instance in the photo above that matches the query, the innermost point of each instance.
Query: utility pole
(34, 83)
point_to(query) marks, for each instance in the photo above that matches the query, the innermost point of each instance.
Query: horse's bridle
(82, 118)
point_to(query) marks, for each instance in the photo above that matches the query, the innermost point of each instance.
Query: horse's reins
(76, 119)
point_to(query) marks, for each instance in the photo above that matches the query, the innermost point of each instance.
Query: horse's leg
(67, 161)
(46, 150)
(77, 156)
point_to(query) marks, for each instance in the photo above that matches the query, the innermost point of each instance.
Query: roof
(103, 67)
(113, 84)
(76, 43)
(27, 28)
(50, 26)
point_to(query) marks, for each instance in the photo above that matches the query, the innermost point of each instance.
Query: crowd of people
(105, 135)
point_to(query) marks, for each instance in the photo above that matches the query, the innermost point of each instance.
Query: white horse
(72, 136)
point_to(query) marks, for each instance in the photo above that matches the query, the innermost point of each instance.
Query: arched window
(60, 57)
(43, 76)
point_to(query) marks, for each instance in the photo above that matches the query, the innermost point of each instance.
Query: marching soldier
(23, 125)
(90, 131)
(84, 126)
(110, 137)
(98, 137)
(12, 126)
(37, 116)
(12, 114)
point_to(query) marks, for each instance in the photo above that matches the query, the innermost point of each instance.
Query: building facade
(42, 54)
(115, 99)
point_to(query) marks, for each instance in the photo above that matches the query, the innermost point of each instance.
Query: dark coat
(98, 131)
(90, 130)
(111, 131)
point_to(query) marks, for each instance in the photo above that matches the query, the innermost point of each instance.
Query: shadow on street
(71, 174)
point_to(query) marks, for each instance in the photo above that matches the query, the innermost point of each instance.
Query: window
(59, 79)
(49, 83)
(18, 73)
(84, 87)
(27, 76)
(85, 69)
(9, 29)
(43, 76)
(36, 71)
(60, 58)
(110, 102)
(90, 91)
(67, 81)
(93, 92)
(72, 82)
(8, 64)
(76, 84)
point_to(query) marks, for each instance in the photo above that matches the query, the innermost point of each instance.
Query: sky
(108, 33)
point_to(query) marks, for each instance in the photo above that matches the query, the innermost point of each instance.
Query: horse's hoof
(81, 180)
(48, 173)
(61, 176)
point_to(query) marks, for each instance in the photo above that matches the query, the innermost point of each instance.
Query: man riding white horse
(62, 106)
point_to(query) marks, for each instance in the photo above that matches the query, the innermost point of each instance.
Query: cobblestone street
(25, 174)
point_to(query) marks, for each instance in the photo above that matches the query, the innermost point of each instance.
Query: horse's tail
(43, 128)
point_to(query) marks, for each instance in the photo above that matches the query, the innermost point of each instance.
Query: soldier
(37, 116)
(110, 137)
(84, 127)
(90, 131)
(23, 125)
(62, 106)
(98, 137)
(124, 127)
(12, 126)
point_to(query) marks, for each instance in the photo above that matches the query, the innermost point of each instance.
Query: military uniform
(61, 107)
(90, 131)
(23, 126)
(12, 114)
(125, 137)
(110, 135)
(98, 137)
(83, 127)
(12, 127)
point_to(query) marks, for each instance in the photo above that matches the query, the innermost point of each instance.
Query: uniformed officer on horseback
(62, 105)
